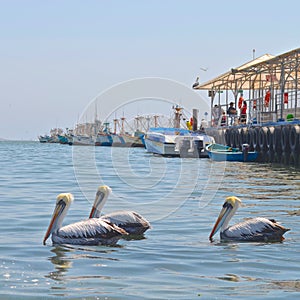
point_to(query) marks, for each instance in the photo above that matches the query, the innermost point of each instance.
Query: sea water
(175, 259)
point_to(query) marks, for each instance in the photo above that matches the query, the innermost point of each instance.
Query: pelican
(87, 232)
(252, 230)
(130, 221)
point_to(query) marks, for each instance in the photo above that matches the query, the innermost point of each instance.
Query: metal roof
(262, 72)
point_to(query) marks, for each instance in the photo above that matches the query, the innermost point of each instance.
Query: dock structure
(268, 87)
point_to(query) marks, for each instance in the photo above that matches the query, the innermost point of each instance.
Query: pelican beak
(221, 219)
(92, 212)
(98, 200)
(57, 211)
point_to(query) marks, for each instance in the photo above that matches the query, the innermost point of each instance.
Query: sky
(57, 56)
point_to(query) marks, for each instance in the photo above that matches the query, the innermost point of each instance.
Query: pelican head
(63, 202)
(101, 196)
(229, 208)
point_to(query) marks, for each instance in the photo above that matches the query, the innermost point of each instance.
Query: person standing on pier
(243, 116)
(267, 98)
(241, 100)
(231, 112)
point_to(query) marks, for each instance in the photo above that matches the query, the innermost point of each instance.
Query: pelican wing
(256, 230)
(89, 232)
(130, 221)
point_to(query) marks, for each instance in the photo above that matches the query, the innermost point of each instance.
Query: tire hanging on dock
(294, 159)
(227, 137)
(222, 137)
(285, 158)
(238, 138)
(277, 141)
(285, 139)
(277, 157)
(233, 138)
(270, 138)
(262, 139)
(255, 139)
(250, 139)
(294, 138)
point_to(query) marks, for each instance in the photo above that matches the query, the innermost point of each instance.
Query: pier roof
(261, 72)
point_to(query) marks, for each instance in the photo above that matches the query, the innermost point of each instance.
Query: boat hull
(218, 152)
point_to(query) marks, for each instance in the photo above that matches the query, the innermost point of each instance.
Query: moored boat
(176, 142)
(83, 140)
(44, 138)
(220, 152)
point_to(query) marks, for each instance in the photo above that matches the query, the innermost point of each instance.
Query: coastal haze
(57, 56)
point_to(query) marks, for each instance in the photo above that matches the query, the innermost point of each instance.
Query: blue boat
(220, 152)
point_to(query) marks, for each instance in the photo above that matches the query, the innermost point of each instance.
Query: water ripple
(175, 260)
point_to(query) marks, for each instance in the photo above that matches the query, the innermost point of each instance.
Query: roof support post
(282, 84)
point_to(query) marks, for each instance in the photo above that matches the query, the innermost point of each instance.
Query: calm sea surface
(180, 197)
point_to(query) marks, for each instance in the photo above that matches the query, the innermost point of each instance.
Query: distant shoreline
(6, 140)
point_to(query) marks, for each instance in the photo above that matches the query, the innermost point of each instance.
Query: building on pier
(278, 76)
(270, 86)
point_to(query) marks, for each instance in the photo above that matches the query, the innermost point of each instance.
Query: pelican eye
(100, 193)
(61, 202)
(227, 205)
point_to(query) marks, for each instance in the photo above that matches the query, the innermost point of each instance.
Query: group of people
(218, 112)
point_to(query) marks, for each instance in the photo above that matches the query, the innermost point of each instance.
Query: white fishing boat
(177, 142)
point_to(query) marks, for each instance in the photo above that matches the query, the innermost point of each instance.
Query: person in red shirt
(241, 100)
(267, 98)
(243, 117)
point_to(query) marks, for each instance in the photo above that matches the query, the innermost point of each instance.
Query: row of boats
(171, 141)
(168, 142)
(102, 138)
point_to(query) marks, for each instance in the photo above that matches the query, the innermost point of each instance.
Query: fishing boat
(220, 152)
(83, 140)
(162, 140)
(177, 142)
(44, 138)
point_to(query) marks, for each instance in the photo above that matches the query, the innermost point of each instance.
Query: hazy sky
(56, 56)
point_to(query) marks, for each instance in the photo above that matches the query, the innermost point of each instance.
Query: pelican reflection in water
(130, 221)
(87, 232)
(252, 230)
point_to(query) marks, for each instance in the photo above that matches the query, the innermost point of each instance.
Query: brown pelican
(252, 230)
(130, 221)
(87, 232)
